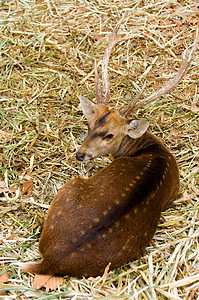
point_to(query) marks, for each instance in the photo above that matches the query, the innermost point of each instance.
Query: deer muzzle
(80, 156)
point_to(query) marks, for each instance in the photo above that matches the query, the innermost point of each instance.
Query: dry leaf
(27, 188)
(3, 279)
(48, 281)
(175, 133)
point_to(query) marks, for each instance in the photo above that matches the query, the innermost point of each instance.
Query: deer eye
(108, 137)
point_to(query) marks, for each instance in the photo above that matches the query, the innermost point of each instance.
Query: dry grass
(47, 60)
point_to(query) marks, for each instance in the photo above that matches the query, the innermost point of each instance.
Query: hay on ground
(47, 54)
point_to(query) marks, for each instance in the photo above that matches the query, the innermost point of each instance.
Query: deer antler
(186, 60)
(130, 107)
(103, 94)
(97, 86)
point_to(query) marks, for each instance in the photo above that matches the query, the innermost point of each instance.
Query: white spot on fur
(127, 216)
(117, 223)
(117, 201)
(72, 255)
(125, 245)
(96, 220)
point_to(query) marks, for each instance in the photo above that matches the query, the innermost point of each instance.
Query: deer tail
(35, 268)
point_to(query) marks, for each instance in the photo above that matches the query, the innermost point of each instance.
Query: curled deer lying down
(113, 215)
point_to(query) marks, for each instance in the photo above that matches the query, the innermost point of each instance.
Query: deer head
(108, 128)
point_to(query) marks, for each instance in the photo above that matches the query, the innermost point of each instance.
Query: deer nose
(80, 156)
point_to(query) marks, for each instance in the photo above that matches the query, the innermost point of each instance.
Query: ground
(47, 55)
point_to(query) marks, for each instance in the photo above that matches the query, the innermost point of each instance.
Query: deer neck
(147, 143)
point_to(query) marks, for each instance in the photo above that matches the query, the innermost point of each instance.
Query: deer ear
(87, 107)
(137, 128)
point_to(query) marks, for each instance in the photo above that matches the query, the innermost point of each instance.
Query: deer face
(106, 130)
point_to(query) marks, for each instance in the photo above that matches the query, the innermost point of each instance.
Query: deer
(112, 216)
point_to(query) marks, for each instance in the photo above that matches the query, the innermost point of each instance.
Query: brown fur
(113, 215)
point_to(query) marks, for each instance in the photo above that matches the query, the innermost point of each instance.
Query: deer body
(111, 216)
(88, 227)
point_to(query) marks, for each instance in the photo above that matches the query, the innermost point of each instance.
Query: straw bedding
(47, 54)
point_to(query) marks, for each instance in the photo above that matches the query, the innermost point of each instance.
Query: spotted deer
(112, 216)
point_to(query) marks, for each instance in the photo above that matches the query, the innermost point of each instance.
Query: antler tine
(113, 40)
(130, 107)
(186, 60)
(97, 86)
